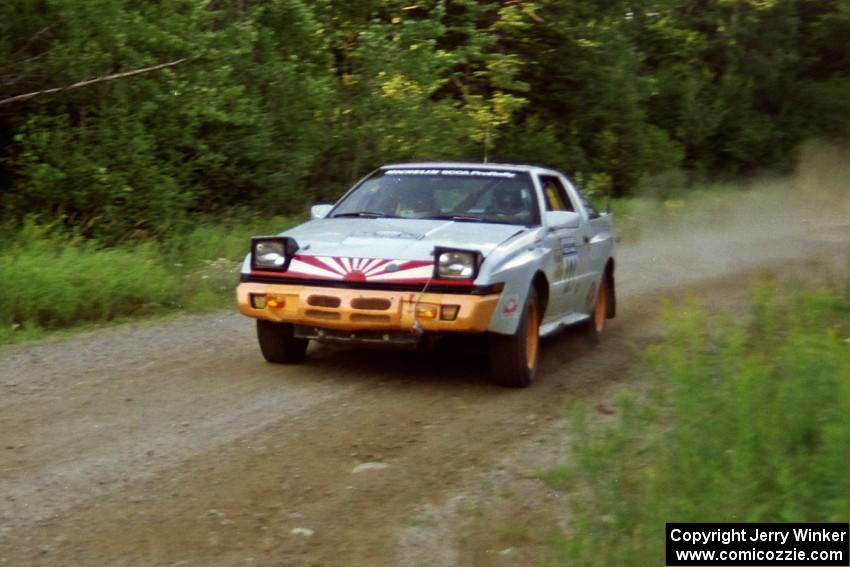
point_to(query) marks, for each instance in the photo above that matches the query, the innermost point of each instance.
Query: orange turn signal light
(426, 311)
(261, 301)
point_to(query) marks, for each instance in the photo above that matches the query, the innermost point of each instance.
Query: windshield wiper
(458, 218)
(367, 214)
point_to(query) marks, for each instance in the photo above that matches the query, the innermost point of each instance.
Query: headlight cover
(450, 264)
(272, 252)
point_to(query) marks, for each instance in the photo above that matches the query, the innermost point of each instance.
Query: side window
(555, 194)
(591, 210)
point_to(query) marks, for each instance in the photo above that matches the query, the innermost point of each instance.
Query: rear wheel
(595, 325)
(513, 358)
(279, 344)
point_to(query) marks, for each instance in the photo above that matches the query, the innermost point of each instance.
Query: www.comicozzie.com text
(726, 536)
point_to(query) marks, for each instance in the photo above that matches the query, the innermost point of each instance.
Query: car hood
(408, 239)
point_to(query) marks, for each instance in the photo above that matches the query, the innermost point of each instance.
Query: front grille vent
(327, 315)
(370, 318)
(371, 303)
(323, 301)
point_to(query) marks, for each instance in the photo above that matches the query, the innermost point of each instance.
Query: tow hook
(416, 330)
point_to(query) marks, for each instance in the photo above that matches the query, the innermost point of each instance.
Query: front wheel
(279, 344)
(513, 358)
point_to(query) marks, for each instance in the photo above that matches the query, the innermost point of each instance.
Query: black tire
(278, 344)
(509, 354)
(594, 326)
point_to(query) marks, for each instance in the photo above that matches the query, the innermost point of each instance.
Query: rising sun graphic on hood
(359, 269)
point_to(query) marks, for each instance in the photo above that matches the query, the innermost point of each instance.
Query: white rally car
(423, 249)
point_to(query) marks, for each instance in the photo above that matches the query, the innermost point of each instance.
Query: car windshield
(463, 195)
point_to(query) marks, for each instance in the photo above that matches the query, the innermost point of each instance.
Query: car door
(595, 240)
(564, 245)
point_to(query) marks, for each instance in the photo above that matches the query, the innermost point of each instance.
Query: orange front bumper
(358, 309)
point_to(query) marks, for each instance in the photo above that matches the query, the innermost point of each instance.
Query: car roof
(526, 168)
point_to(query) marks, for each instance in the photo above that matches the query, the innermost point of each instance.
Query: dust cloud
(759, 225)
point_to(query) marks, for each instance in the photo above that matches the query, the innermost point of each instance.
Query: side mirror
(320, 211)
(562, 219)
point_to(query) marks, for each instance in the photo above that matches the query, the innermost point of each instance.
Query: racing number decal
(569, 262)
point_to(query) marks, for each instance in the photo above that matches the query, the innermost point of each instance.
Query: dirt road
(176, 444)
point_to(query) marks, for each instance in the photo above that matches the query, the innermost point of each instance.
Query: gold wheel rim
(600, 308)
(532, 330)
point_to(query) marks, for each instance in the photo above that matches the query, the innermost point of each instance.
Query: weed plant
(740, 422)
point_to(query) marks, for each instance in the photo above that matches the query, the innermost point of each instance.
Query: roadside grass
(53, 280)
(740, 421)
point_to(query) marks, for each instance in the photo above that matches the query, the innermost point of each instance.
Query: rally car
(423, 250)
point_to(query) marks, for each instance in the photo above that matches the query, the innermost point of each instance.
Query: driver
(510, 200)
(413, 203)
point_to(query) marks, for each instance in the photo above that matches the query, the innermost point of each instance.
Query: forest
(271, 105)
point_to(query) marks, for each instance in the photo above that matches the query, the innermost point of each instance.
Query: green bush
(51, 283)
(207, 258)
(744, 422)
(54, 280)
(219, 238)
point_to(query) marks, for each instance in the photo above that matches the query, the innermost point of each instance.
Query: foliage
(285, 102)
(744, 421)
(133, 159)
(50, 283)
(54, 281)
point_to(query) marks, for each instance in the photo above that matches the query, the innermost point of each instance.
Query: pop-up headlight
(272, 252)
(452, 264)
